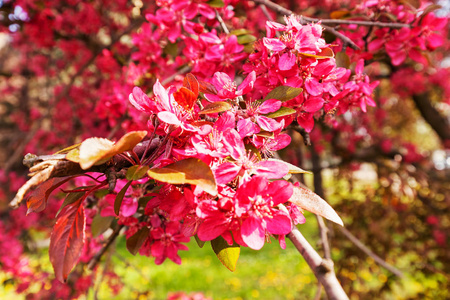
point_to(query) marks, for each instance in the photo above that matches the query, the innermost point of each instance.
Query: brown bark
(440, 124)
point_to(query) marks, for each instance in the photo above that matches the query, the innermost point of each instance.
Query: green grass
(271, 273)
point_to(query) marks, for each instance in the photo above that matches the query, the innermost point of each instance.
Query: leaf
(325, 53)
(283, 111)
(429, 9)
(38, 199)
(342, 60)
(283, 93)
(187, 171)
(200, 243)
(310, 201)
(71, 198)
(185, 98)
(215, 107)
(100, 224)
(240, 31)
(339, 14)
(293, 169)
(95, 151)
(246, 39)
(135, 242)
(68, 149)
(136, 172)
(191, 83)
(207, 88)
(74, 155)
(228, 255)
(216, 3)
(67, 240)
(171, 49)
(144, 200)
(413, 3)
(119, 198)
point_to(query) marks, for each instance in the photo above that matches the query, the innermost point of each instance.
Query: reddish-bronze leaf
(191, 83)
(38, 199)
(67, 240)
(185, 98)
(135, 242)
(207, 88)
(215, 107)
(187, 171)
(324, 54)
(119, 198)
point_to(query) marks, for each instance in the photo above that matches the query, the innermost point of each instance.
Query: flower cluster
(234, 129)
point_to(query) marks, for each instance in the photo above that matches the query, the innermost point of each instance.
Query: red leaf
(67, 240)
(207, 88)
(38, 199)
(185, 98)
(191, 83)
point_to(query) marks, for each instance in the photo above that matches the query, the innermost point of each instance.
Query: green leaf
(200, 243)
(293, 169)
(215, 107)
(73, 155)
(246, 39)
(71, 198)
(283, 93)
(283, 111)
(187, 171)
(342, 60)
(136, 172)
(68, 149)
(228, 255)
(119, 198)
(100, 224)
(144, 200)
(135, 242)
(240, 31)
(171, 49)
(216, 3)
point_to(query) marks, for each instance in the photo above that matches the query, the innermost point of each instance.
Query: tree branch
(369, 252)
(45, 167)
(281, 10)
(322, 268)
(439, 124)
(95, 260)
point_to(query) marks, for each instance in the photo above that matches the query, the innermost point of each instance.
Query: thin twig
(222, 23)
(369, 252)
(19, 150)
(96, 258)
(284, 11)
(358, 22)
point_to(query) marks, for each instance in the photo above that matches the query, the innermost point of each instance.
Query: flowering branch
(285, 11)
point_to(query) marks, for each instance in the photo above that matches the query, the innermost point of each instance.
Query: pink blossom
(259, 199)
(168, 242)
